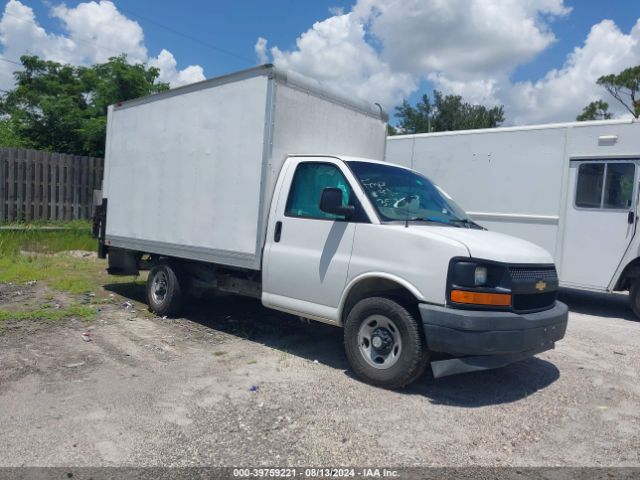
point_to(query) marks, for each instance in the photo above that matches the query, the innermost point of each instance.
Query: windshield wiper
(433, 220)
(468, 223)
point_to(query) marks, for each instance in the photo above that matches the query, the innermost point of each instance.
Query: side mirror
(331, 202)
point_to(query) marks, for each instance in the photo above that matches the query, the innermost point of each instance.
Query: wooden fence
(37, 185)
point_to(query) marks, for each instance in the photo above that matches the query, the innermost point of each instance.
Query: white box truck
(571, 188)
(264, 183)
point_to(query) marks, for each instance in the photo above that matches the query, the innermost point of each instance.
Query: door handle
(631, 217)
(278, 232)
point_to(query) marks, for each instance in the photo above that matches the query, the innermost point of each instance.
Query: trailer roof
(291, 78)
(517, 128)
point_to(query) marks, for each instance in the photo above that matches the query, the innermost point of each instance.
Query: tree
(444, 113)
(9, 137)
(624, 87)
(454, 114)
(598, 110)
(415, 119)
(63, 108)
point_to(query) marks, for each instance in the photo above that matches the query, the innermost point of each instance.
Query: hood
(495, 246)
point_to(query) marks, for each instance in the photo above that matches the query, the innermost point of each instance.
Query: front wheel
(164, 293)
(383, 343)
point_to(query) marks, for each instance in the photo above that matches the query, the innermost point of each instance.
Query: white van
(265, 184)
(571, 188)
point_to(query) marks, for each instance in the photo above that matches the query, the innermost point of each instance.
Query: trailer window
(590, 181)
(603, 185)
(618, 189)
(309, 180)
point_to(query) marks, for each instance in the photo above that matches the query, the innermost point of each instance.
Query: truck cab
(381, 251)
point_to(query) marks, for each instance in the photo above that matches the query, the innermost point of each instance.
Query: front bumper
(485, 339)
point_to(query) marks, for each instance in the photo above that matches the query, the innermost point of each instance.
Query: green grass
(28, 254)
(35, 224)
(67, 274)
(33, 253)
(31, 238)
(63, 273)
(47, 314)
(50, 314)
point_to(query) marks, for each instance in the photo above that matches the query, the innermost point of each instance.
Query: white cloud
(261, 50)
(562, 93)
(464, 37)
(382, 49)
(99, 31)
(166, 63)
(94, 31)
(336, 53)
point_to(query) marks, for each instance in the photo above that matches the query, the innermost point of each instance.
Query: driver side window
(309, 180)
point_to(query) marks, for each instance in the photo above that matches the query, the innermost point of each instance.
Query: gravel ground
(235, 384)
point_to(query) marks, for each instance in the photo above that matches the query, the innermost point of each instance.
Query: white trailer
(571, 188)
(266, 184)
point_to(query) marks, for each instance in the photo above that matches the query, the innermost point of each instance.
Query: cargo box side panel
(306, 123)
(605, 141)
(509, 181)
(185, 172)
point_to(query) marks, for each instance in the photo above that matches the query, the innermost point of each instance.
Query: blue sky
(234, 26)
(560, 27)
(231, 26)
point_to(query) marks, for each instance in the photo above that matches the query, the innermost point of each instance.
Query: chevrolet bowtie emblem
(540, 286)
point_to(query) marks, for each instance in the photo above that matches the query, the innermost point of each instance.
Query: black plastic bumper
(485, 339)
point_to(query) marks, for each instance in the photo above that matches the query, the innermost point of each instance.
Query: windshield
(401, 194)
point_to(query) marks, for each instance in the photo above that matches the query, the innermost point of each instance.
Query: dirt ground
(235, 384)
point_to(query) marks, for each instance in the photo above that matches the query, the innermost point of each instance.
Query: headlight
(479, 282)
(480, 275)
(469, 273)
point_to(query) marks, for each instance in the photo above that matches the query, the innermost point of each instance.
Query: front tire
(384, 344)
(164, 293)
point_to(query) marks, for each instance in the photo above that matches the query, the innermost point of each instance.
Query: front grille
(547, 274)
(533, 301)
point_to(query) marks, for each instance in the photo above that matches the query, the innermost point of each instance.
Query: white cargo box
(190, 172)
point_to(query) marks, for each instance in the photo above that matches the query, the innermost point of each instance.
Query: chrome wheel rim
(159, 287)
(379, 342)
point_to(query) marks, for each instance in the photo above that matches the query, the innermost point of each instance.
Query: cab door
(600, 220)
(307, 251)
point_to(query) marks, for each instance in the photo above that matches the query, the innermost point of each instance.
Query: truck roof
(291, 78)
(349, 158)
(547, 126)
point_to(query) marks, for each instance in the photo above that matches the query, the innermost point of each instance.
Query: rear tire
(634, 297)
(164, 292)
(384, 344)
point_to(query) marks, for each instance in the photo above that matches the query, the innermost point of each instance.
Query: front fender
(376, 275)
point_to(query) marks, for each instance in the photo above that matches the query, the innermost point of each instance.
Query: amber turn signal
(478, 298)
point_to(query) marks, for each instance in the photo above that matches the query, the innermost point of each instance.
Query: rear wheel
(384, 344)
(164, 293)
(634, 297)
